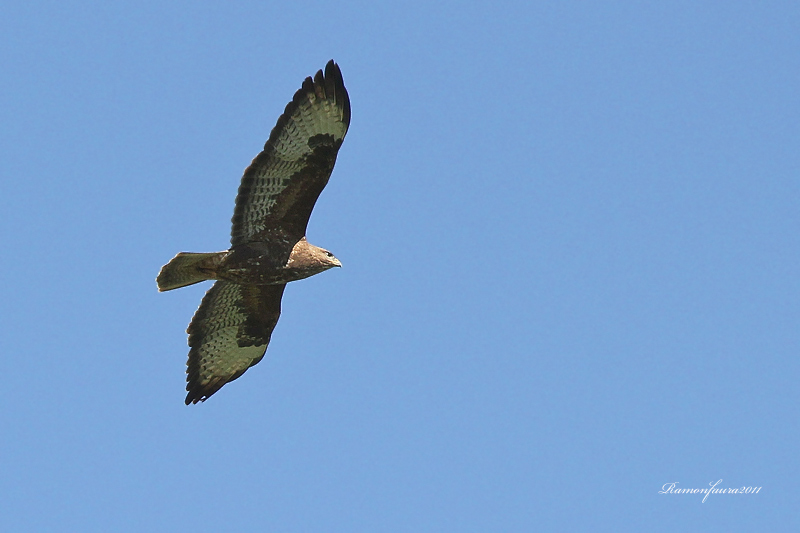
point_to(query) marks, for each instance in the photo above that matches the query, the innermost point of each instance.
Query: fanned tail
(188, 268)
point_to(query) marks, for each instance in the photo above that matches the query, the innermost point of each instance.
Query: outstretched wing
(282, 184)
(228, 334)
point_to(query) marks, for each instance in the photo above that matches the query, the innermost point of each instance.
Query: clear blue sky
(570, 242)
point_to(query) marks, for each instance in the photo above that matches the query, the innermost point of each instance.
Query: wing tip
(328, 84)
(191, 400)
(334, 82)
(197, 393)
(325, 85)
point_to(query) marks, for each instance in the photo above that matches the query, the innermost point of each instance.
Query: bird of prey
(231, 329)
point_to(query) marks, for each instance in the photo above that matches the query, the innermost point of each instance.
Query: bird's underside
(232, 327)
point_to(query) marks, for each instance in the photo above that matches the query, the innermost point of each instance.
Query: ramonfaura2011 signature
(671, 488)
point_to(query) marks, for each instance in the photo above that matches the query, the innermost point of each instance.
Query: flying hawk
(231, 329)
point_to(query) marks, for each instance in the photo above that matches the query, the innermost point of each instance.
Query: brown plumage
(231, 329)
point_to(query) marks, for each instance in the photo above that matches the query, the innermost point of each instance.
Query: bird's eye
(329, 254)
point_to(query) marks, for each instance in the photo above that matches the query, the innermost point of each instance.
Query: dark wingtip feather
(334, 85)
(196, 396)
(319, 85)
(199, 393)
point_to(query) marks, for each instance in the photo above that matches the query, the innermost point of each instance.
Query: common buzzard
(231, 329)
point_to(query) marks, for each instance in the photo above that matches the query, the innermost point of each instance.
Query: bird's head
(327, 259)
(311, 259)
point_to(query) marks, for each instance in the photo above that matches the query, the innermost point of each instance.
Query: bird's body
(233, 325)
(267, 263)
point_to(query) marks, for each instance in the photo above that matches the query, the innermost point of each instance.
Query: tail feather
(188, 268)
